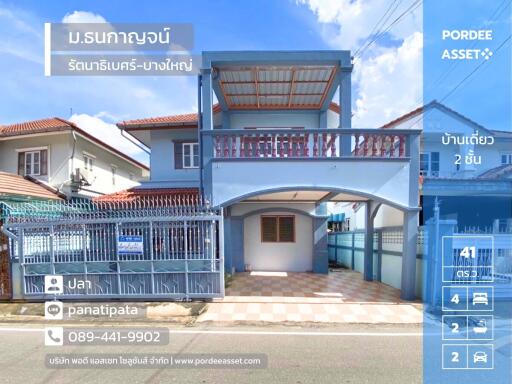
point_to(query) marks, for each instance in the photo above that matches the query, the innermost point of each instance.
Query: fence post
(185, 244)
(52, 250)
(151, 257)
(117, 261)
(353, 261)
(221, 253)
(379, 255)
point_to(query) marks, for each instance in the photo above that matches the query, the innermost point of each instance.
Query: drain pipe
(137, 143)
(199, 133)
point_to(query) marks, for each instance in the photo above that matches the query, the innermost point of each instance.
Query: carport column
(368, 240)
(411, 221)
(233, 243)
(346, 108)
(207, 125)
(320, 253)
(408, 286)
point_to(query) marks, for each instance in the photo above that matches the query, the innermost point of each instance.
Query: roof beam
(279, 82)
(330, 90)
(327, 197)
(291, 88)
(273, 94)
(255, 74)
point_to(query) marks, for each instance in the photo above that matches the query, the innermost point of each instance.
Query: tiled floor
(339, 297)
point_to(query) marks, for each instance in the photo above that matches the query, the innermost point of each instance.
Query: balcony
(244, 162)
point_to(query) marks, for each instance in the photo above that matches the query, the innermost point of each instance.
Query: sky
(386, 81)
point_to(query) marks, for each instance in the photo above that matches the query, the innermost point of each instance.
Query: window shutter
(178, 155)
(44, 162)
(21, 163)
(268, 229)
(287, 229)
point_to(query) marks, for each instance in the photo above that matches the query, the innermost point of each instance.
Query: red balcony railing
(309, 143)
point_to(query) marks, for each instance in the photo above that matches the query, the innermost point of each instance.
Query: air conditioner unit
(81, 178)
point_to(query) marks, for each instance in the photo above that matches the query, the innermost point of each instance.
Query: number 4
(455, 299)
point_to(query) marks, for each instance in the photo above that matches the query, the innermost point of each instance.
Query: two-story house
(462, 164)
(60, 154)
(273, 152)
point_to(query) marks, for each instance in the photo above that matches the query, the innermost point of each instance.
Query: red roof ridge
(14, 184)
(137, 192)
(183, 120)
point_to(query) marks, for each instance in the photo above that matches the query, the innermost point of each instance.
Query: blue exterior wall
(162, 157)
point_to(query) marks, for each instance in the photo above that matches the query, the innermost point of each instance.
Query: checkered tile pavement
(339, 297)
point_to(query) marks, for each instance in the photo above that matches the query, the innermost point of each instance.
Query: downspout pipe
(137, 143)
(199, 133)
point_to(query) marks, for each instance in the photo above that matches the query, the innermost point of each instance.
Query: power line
(474, 70)
(466, 78)
(410, 9)
(376, 28)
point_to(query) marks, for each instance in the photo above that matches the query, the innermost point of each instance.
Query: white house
(62, 155)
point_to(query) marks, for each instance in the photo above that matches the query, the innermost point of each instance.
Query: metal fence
(347, 248)
(162, 247)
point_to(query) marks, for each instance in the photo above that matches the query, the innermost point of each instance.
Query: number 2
(455, 357)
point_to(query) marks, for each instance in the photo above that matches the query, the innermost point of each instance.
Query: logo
(53, 310)
(486, 53)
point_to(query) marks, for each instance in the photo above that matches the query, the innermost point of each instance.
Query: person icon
(53, 284)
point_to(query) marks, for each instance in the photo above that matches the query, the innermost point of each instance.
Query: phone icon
(53, 336)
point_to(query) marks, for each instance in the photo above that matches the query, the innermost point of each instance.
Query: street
(296, 354)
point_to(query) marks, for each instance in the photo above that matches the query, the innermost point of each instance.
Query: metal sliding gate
(165, 248)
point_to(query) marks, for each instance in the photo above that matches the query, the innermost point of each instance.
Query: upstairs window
(186, 155)
(429, 163)
(190, 155)
(506, 158)
(88, 163)
(113, 170)
(277, 229)
(33, 163)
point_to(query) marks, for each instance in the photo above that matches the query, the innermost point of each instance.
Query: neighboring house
(273, 152)
(445, 173)
(59, 154)
(15, 189)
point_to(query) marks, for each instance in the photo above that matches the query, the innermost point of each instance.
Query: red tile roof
(187, 120)
(51, 124)
(134, 194)
(16, 185)
(56, 124)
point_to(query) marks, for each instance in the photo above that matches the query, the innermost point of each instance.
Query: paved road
(300, 355)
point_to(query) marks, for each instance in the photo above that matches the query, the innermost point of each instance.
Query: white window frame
(32, 163)
(190, 156)
(508, 156)
(113, 172)
(88, 162)
(428, 171)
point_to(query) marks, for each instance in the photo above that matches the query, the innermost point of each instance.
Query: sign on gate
(130, 245)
